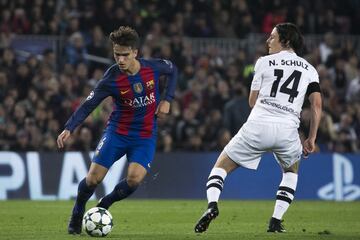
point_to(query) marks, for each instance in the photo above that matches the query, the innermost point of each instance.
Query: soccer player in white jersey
(281, 81)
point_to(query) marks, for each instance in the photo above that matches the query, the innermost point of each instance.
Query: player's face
(273, 42)
(124, 56)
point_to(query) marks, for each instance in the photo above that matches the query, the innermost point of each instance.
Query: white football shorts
(256, 138)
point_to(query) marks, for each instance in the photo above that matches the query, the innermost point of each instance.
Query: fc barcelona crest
(150, 84)
(138, 88)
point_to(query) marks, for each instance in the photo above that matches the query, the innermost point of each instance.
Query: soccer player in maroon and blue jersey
(131, 129)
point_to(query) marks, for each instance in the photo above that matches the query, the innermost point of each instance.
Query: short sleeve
(257, 79)
(314, 76)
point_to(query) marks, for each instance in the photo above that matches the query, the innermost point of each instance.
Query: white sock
(215, 184)
(285, 194)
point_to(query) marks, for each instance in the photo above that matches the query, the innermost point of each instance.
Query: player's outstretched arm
(62, 138)
(316, 109)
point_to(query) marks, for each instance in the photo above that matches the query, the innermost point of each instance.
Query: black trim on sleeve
(313, 87)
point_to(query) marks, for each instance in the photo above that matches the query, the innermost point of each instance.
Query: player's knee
(92, 181)
(293, 168)
(133, 180)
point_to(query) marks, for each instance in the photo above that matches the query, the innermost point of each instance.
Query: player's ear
(135, 51)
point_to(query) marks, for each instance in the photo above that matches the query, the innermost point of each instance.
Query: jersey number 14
(293, 92)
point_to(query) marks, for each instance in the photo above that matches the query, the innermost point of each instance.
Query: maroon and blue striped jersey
(135, 98)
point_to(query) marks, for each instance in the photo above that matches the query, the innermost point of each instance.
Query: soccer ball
(97, 222)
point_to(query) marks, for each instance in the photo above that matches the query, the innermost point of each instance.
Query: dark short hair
(290, 36)
(125, 36)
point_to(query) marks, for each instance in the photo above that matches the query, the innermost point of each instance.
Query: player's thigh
(111, 147)
(288, 147)
(226, 163)
(243, 149)
(142, 151)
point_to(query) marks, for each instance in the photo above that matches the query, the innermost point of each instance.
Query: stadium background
(53, 53)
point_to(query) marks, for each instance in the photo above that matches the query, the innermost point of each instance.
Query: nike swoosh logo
(123, 92)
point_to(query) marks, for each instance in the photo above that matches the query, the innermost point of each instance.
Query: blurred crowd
(37, 97)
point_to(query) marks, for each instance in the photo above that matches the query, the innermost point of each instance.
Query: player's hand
(163, 108)
(62, 138)
(308, 147)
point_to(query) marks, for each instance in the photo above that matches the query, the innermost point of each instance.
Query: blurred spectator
(4, 85)
(351, 67)
(353, 91)
(187, 128)
(222, 95)
(22, 142)
(327, 22)
(20, 23)
(84, 141)
(236, 111)
(76, 49)
(273, 17)
(326, 133)
(326, 47)
(49, 58)
(98, 46)
(338, 76)
(347, 140)
(23, 79)
(8, 61)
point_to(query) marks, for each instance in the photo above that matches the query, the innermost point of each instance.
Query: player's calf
(121, 190)
(84, 193)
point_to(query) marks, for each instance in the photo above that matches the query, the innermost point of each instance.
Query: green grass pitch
(175, 219)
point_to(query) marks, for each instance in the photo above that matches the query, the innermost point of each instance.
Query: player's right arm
(256, 83)
(62, 138)
(315, 117)
(253, 97)
(95, 97)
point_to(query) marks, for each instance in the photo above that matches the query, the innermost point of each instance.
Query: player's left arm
(315, 99)
(314, 94)
(168, 69)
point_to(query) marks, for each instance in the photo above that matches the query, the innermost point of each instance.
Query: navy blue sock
(122, 190)
(84, 193)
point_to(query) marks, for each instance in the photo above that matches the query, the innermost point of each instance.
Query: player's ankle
(212, 205)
